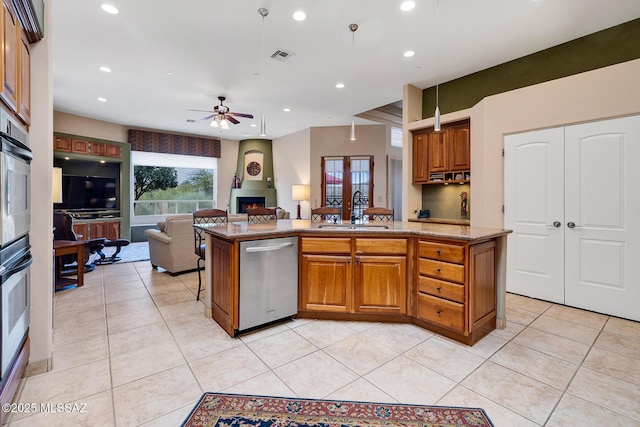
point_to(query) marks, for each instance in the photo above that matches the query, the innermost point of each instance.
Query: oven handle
(26, 262)
(19, 149)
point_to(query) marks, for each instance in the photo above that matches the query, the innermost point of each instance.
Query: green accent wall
(263, 146)
(603, 48)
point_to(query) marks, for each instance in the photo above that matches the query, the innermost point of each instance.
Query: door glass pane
(360, 176)
(334, 177)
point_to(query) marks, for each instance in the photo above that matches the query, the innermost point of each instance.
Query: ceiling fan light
(224, 124)
(214, 124)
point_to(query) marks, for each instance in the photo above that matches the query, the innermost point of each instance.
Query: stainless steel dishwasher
(268, 281)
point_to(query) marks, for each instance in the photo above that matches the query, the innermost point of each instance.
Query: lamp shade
(300, 192)
(57, 185)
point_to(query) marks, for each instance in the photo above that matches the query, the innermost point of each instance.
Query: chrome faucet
(353, 202)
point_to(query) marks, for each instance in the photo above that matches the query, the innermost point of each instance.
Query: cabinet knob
(438, 251)
(438, 289)
(438, 312)
(437, 270)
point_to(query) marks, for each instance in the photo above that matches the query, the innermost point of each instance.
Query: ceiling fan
(221, 116)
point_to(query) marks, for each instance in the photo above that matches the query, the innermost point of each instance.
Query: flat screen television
(88, 192)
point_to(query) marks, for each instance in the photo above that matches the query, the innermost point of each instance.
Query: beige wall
(334, 141)
(291, 165)
(599, 94)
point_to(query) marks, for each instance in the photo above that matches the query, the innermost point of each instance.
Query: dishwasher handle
(269, 248)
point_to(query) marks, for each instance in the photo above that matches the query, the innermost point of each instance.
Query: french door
(570, 198)
(347, 183)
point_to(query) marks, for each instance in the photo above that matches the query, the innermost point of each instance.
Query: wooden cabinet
(455, 287)
(380, 284)
(443, 156)
(353, 275)
(225, 284)
(24, 94)
(16, 64)
(82, 146)
(325, 274)
(94, 229)
(10, 58)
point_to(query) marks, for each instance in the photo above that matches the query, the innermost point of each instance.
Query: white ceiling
(214, 48)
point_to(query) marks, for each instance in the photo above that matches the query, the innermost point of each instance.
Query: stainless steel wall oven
(15, 255)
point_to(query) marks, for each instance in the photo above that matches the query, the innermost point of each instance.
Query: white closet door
(534, 210)
(602, 250)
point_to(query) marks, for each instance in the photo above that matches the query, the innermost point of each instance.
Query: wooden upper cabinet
(437, 152)
(459, 147)
(24, 95)
(113, 151)
(420, 172)
(61, 144)
(10, 58)
(79, 146)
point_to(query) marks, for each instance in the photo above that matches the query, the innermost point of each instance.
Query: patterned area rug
(138, 251)
(235, 410)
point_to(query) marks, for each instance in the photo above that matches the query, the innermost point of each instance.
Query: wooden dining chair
(379, 214)
(257, 215)
(202, 217)
(325, 213)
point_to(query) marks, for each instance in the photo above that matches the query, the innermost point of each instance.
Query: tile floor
(134, 346)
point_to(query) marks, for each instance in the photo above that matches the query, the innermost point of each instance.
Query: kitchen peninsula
(443, 277)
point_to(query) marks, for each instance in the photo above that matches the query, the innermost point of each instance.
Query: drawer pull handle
(438, 251)
(437, 270)
(438, 289)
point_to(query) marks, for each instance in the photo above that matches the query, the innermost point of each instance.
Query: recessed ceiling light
(102, 99)
(109, 8)
(169, 73)
(340, 85)
(102, 161)
(253, 125)
(286, 109)
(299, 15)
(105, 69)
(407, 5)
(67, 158)
(409, 54)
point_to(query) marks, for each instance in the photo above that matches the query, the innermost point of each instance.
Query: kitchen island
(446, 278)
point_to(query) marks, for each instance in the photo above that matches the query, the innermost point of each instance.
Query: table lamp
(299, 192)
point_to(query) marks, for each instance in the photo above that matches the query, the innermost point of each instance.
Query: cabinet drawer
(442, 312)
(441, 270)
(381, 246)
(326, 245)
(441, 251)
(441, 288)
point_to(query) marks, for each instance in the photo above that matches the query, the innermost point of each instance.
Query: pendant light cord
(263, 126)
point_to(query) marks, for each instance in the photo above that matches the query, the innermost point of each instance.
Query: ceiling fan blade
(204, 111)
(248, 116)
(231, 119)
(207, 118)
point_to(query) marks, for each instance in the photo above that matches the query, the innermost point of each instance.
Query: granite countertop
(244, 230)
(441, 221)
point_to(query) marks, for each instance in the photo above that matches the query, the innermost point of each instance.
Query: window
(169, 184)
(396, 137)
(347, 180)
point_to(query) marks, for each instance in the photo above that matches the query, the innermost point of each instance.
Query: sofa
(172, 245)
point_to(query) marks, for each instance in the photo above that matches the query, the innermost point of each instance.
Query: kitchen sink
(353, 226)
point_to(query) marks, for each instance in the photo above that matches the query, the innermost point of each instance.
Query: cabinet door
(98, 149)
(113, 151)
(224, 282)
(61, 144)
(381, 284)
(325, 283)
(420, 172)
(108, 229)
(459, 147)
(79, 146)
(81, 229)
(24, 107)
(437, 152)
(10, 48)
(482, 283)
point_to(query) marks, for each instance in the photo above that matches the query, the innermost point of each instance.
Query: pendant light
(353, 28)
(263, 123)
(436, 125)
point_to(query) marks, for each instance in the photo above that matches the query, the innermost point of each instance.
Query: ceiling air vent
(281, 55)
